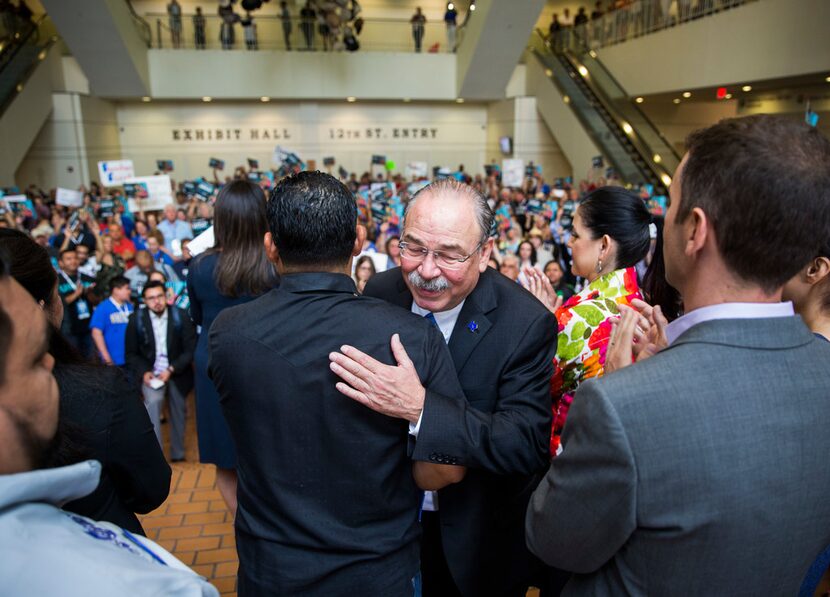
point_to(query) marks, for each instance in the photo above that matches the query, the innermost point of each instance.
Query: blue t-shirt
(112, 321)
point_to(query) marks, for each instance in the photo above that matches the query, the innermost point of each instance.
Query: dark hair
(239, 224)
(5, 320)
(361, 260)
(150, 285)
(764, 183)
(31, 266)
(533, 256)
(65, 251)
(656, 289)
(119, 282)
(312, 217)
(825, 252)
(623, 216)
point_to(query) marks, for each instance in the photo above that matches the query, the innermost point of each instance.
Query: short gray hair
(449, 186)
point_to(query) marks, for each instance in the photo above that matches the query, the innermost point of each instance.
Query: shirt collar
(317, 281)
(727, 311)
(162, 317)
(445, 319)
(54, 485)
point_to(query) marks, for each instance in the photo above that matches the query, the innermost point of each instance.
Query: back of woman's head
(30, 265)
(240, 224)
(623, 216)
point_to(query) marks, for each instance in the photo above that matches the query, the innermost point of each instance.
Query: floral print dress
(584, 329)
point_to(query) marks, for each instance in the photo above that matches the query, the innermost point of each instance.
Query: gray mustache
(438, 284)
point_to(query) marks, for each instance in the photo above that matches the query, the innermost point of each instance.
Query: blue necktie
(431, 318)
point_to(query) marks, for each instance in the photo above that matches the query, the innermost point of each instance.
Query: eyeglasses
(443, 260)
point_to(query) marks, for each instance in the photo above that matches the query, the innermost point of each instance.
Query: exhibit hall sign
(231, 135)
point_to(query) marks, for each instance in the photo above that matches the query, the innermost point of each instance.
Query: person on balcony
(285, 17)
(418, 21)
(451, 21)
(174, 12)
(199, 28)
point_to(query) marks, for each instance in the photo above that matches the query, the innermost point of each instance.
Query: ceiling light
(450, 6)
(207, 98)
(459, 100)
(566, 99)
(592, 54)
(728, 96)
(627, 128)
(351, 99)
(548, 72)
(19, 87)
(583, 71)
(639, 100)
(473, 7)
(687, 94)
(145, 99)
(406, 100)
(42, 55)
(666, 180)
(827, 79)
(676, 100)
(657, 158)
(265, 98)
(746, 88)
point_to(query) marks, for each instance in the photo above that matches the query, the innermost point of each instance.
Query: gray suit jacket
(701, 471)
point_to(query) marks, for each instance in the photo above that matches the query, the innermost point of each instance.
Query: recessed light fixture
(676, 100)
(687, 94)
(583, 71)
(264, 99)
(42, 55)
(627, 128)
(657, 158)
(145, 99)
(639, 100)
(746, 88)
(351, 99)
(450, 6)
(19, 87)
(472, 7)
(207, 98)
(459, 100)
(566, 99)
(666, 180)
(593, 54)
(548, 72)
(728, 96)
(827, 79)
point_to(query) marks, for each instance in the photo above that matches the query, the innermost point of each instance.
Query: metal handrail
(142, 24)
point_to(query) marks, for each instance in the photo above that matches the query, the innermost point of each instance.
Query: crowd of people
(437, 387)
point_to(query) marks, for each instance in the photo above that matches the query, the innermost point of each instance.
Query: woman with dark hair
(363, 270)
(610, 235)
(235, 271)
(526, 254)
(656, 290)
(100, 417)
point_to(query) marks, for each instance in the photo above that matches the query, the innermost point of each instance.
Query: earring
(599, 266)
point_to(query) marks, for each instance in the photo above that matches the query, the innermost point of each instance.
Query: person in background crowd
(121, 245)
(76, 556)
(140, 273)
(363, 270)
(111, 266)
(361, 481)
(249, 31)
(87, 265)
(502, 342)
(393, 251)
(744, 218)
(139, 235)
(159, 345)
(157, 250)
(451, 21)
(510, 267)
(553, 272)
(173, 228)
(109, 322)
(95, 418)
(418, 21)
(74, 289)
(235, 271)
(226, 33)
(174, 12)
(527, 255)
(75, 232)
(199, 29)
(308, 17)
(285, 18)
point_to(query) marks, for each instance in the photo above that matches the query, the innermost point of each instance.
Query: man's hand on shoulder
(392, 390)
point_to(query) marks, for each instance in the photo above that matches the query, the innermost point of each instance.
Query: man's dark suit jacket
(502, 347)
(327, 501)
(140, 346)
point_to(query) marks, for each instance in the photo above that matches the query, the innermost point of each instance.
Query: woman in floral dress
(610, 235)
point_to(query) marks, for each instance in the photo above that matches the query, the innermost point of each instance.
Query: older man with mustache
(502, 341)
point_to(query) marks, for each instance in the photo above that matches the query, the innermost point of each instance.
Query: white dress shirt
(446, 323)
(160, 335)
(727, 311)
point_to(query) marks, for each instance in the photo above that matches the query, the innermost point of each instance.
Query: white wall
(762, 40)
(677, 121)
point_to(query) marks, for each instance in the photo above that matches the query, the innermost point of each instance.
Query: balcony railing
(637, 18)
(376, 35)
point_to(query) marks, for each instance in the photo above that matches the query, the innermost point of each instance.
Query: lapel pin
(473, 327)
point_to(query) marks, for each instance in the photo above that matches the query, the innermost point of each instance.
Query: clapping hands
(539, 286)
(639, 333)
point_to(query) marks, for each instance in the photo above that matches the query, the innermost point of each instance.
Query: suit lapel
(402, 298)
(472, 324)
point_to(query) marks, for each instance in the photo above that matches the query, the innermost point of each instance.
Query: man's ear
(484, 255)
(360, 237)
(271, 250)
(818, 270)
(696, 229)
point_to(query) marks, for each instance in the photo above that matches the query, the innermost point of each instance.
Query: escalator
(626, 137)
(21, 55)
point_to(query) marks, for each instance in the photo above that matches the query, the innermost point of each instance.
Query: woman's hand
(539, 286)
(636, 335)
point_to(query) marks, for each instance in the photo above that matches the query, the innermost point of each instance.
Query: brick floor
(193, 523)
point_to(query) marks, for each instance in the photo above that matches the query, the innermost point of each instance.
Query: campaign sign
(597, 162)
(205, 189)
(115, 172)
(189, 188)
(164, 165)
(343, 172)
(136, 190)
(328, 162)
(69, 198)
(513, 171)
(216, 164)
(379, 160)
(416, 169)
(157, 188)
(106, 207)
(20, 205)
(255, 176)
(253, 164)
